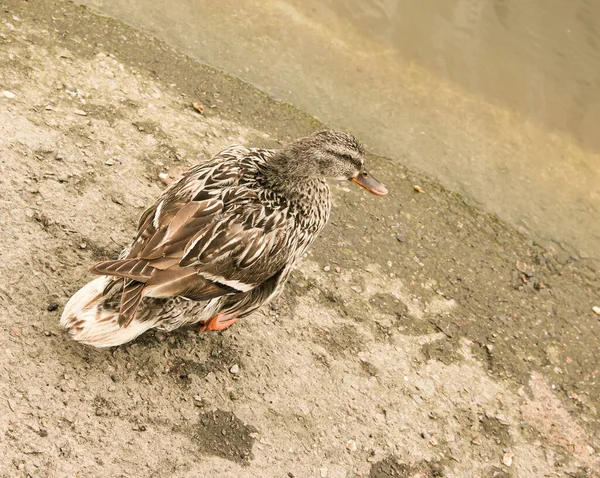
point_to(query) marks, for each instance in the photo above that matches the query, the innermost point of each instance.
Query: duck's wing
(221, 241)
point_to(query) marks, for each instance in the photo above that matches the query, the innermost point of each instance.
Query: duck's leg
(218, 322)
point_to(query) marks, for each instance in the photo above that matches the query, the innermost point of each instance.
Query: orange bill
(368, 182)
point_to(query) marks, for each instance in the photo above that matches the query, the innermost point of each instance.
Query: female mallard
(220, 242)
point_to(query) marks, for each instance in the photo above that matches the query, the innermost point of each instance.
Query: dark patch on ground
(495, 430)
(390, 466)
(339, 340)
(108, 113)
(183, 369)
(221, 356)
(489, 436)
(496, 472)
(102, 406)
(150, 127)
(321, 359)
(370, 369)
(389, 304)
(408, 325)
(222, 434)
(444, 350)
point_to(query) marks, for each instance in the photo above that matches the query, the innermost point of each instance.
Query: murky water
(497, 99)
(539, 57)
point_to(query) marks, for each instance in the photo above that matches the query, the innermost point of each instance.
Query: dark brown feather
(130, 301)
(135, 269)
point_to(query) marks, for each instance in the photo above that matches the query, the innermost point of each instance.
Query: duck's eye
(347, 156)
(365, 174)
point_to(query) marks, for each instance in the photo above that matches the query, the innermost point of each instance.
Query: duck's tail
(91, 316)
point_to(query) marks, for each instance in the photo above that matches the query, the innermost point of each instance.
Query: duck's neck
(287, 178)
(310, 196)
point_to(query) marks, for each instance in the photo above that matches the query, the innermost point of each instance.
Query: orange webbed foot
(218, 322)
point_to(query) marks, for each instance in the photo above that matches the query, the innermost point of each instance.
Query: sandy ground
(420, 337)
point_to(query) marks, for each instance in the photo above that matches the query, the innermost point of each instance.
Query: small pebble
(338, 270)
(83, 245)
(326, 268)
(9, 94)
(198, 107)
(323, 472)
(80, 112)
(109, 162)
(235, 369)
(507, 459)
(596, 310)
(419, 189)
(164, 178)
(52, 307)
(351, 445)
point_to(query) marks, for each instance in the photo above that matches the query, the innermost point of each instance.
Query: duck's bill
(368, 182)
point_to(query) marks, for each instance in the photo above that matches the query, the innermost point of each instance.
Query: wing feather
(135, 269)
(208, 235)
(130, 301)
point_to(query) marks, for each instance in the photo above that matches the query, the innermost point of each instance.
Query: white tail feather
(88, 324)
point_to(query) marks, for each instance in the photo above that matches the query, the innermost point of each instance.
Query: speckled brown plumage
(221, 241)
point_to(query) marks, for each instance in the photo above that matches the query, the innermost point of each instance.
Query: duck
(219, 243)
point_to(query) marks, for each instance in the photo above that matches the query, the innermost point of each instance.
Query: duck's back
(240, 235)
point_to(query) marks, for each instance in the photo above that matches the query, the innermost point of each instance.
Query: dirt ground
(420, 337)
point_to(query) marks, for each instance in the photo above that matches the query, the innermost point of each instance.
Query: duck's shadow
(181, 338)
(185, 352)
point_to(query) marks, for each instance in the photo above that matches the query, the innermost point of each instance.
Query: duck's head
(327, 154)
